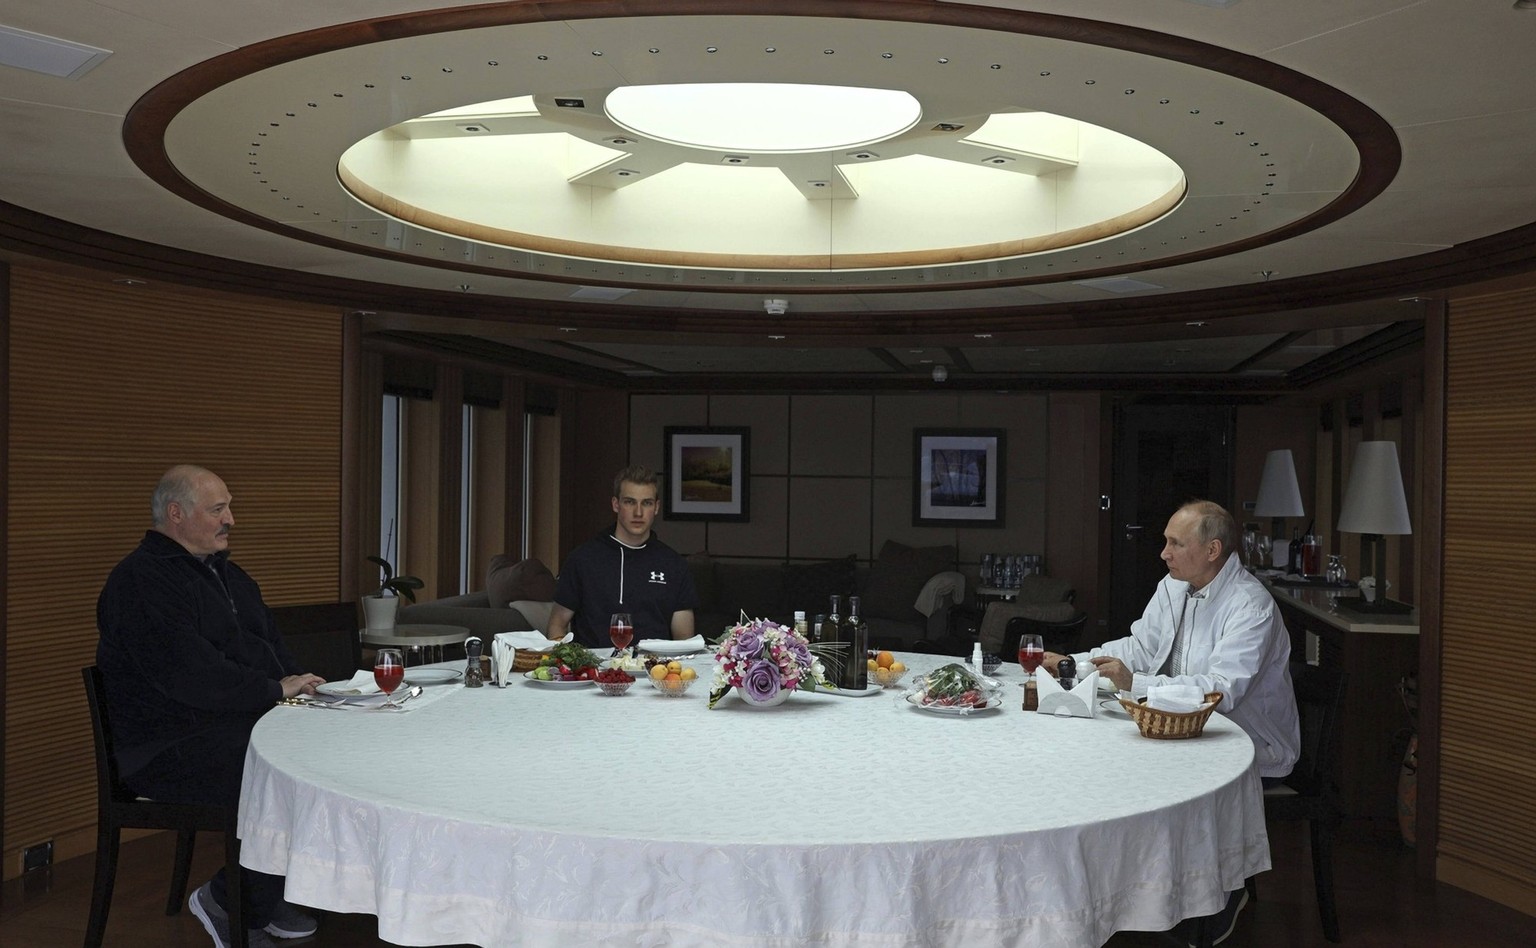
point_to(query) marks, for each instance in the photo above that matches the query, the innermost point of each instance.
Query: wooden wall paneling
(1487, 757)
(489, 486)
(353, 460)
(514, 418)
(545, 491)
(5, 544)
(448, 396)
(1072, 514)
(109, 386)
(1431, 570)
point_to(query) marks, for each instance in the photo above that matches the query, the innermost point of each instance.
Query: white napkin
(504, 651)
(671, 646)
(361, 683)
(1176, 699)
(1077, 703)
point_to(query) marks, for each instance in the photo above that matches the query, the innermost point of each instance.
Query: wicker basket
(1170, 725)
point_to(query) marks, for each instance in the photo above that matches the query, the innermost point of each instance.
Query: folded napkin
(361, 683)
(504, 651)
(671, 646)
(1077, 703)
(1176, 699)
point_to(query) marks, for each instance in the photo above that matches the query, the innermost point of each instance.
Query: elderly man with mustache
(191, 659)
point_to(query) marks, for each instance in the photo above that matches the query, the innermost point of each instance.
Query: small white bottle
(976, 656)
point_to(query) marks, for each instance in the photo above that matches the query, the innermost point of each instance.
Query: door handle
(1131, 529)
(1133, 526)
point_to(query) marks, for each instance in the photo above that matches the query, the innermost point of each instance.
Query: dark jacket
(186, 644)
(605, 575)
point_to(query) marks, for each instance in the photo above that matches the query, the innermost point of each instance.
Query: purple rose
(800, 651)
(761, 680)
(748, 645)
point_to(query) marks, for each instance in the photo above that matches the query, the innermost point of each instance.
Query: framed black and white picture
(957, 477)
(706, 476)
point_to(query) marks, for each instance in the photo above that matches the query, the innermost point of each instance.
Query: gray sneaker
(290, 921)
(216, 920)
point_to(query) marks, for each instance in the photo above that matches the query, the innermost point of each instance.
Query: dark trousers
(206, 768)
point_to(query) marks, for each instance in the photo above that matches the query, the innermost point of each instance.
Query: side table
(424, 639)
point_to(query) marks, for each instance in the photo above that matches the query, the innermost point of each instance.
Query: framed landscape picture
(957, 477)
(706, 476)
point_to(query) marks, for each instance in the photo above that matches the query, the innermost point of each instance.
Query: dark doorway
(1164, 455)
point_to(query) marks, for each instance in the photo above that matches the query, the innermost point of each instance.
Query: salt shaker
(474, 677)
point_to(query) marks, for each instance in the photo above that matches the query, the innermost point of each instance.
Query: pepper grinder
(474, 677)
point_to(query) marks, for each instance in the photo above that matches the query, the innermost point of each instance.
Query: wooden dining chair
(118, 808)
(1309, 793)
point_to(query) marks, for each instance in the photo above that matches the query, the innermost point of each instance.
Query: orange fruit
(688, 674)
(674, 666)
(898, 667)
(673, 676)
(873, 665)
(658, 672)
(884, 659)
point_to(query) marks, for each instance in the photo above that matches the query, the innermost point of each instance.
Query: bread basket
(1170, 725)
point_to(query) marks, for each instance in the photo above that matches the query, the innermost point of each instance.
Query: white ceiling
(1450, 81)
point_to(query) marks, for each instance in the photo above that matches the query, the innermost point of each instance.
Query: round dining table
(540, 815)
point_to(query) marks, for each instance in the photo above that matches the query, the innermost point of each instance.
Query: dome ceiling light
(1031, 159)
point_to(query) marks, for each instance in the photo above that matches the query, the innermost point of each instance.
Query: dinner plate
(671, 648)
(993, 703)
(431, 676)
(556, 684)
(1113, 706)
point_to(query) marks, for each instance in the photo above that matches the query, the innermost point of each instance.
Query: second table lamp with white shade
(1375, 506)
(1279, 497)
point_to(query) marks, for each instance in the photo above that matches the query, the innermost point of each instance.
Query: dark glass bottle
(856, 672)
(831, 635)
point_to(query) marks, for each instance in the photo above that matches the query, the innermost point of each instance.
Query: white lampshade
(1279, 494)
(1374, 502)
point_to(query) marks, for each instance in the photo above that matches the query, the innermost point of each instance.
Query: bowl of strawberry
(613, 681)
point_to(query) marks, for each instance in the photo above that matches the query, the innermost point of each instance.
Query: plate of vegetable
(567, 665)
(954, 689)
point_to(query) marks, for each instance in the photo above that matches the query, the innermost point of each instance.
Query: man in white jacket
(1212, 625)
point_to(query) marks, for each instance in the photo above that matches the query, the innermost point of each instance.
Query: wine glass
(621, 630)
(388, 671)
(1031, 652)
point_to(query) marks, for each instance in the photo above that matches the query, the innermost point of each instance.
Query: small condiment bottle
(1031, 697)
(474, 675)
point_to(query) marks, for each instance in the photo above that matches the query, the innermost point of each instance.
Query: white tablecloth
(535, 816)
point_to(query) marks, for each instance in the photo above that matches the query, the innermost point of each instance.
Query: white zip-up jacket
(1236, 643)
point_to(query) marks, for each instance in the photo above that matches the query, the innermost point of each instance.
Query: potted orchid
(379, 607)
(764, 662)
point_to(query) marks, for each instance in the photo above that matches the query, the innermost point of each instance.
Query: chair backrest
(1063, 636)
(108, 788)
(1319, 695)
(322, 636)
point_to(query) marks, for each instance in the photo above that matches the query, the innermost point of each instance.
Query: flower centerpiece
(765, 661)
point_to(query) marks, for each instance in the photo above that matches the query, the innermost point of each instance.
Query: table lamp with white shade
(1375, 506)
(1279, 497)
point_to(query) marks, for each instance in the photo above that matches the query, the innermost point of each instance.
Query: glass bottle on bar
(856, 672)
(832, 634)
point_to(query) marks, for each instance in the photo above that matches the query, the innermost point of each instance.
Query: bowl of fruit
(614, 681)
(671, 678)
(885, 670)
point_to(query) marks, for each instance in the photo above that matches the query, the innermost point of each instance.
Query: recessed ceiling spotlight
(711, 49)
(571, 103)
(943, 60)
(567, 328)
(862, 155)
(1197, 323)
(886, 56)
(463, 287)
(597, 52)
(625, 173)
(653, 50)
(735, 159)
(998, 160)
(947, 127)
(983, 335)
(817, 184)
(771, 49)
(129, 281)
(776, 337)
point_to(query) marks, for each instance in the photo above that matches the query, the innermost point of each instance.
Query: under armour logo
(658, 577)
